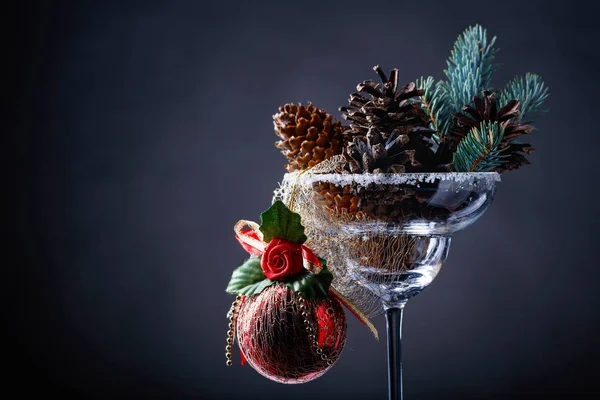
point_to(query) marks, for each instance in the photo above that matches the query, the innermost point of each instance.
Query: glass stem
(393, 319)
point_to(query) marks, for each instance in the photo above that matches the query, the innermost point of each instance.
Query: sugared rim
(393, 179)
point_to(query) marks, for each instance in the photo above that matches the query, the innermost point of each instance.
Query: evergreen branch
(530, 91)
(427, 85)
(441, 105)
(470, 70)
(479, 150)
(470, 63)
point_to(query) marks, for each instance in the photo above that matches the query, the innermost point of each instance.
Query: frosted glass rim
(393, 179)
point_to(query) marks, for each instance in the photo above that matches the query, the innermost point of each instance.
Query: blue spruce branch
(529, 90)
(470, 70)
(427, 101)
(479, 150)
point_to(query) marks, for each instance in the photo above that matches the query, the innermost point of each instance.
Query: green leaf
(282, 223)
(248, 279)
(312, 285)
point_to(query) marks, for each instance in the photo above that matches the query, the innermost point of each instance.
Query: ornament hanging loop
(293, 191)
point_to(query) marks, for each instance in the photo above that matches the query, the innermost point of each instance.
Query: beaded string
(232, 314)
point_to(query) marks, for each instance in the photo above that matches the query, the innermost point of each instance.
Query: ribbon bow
(251, 240)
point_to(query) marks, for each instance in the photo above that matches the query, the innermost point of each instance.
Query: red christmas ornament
(287, 338)
(290, 324)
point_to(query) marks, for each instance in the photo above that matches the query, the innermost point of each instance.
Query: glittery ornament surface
(288, 339)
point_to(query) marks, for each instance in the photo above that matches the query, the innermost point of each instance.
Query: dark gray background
(142, 132)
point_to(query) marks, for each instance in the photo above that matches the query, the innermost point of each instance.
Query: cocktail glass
(386, 236)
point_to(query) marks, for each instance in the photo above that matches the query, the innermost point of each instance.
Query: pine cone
(337, 198)
(485, 109)
(389, 203)
(387, 127)
(308, 135)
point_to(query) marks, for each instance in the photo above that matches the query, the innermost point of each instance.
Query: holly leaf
(282, 223)
(248, 279)
(312, 285)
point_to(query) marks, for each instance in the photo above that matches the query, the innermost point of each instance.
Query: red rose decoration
(281, 259)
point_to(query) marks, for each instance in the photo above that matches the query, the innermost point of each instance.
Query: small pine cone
(485, 108)
(337, 199)
(308, 135)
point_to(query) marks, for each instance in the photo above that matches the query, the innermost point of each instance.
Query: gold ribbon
(356, 311)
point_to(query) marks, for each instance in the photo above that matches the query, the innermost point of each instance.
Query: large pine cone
(388, 128)
(308, 135)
